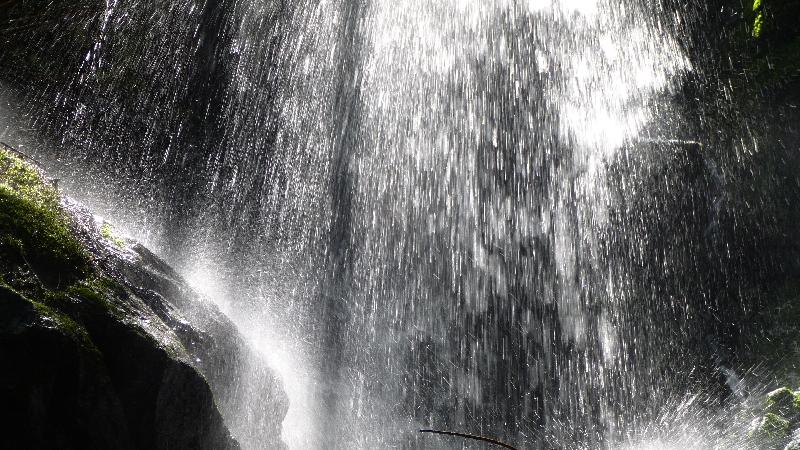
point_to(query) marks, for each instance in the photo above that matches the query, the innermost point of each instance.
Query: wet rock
(56, 391)
(105, 346)
(778, 426)
(241, 381)
(785, 403)
(772, 426)
(794, 443)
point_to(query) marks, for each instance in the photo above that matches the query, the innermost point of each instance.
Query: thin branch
(36, 275)
(470, 436)
(21, 155)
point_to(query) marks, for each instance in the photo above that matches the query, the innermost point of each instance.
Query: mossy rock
(35, 231)
(93, 295)
(785, 403)
(56, 391)
(96, 383)
(780, 420)
(771, 427)
(88, 321)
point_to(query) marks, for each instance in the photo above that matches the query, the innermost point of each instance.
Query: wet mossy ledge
(35, 235)
(105, 346)
(778, 426)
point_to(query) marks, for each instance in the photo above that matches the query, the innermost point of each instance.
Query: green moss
(26, 179)
(90, 291)
(56, 319)
(35, 230)
(40, 256)
(64, 323)
(765, 51)
(772, 20)
(784, 402)
(780, 396)
(774, 426)
(107, 231)
(94, 291)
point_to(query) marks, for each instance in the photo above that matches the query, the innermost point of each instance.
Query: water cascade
(488, 217)
(480, 265)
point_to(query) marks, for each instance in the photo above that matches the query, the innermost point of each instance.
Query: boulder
(104, 345)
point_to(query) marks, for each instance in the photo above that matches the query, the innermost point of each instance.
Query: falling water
(480, 204)
(444, 214)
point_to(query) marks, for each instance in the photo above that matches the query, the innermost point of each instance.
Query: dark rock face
(126, 356)
(56, 392)
(113, 388)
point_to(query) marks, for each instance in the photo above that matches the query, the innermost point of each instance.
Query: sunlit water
(440, 203)
(481, 279)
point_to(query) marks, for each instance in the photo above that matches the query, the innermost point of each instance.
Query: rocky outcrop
(778, 425)
(249, 396)
(106, 346)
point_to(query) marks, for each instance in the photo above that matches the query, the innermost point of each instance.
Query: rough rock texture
(247, 392)
(778, 425)
(105, 346)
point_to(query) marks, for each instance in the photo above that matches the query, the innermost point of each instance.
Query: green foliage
(773, 19)
(758, 24)
(780, 396)
(765, 52)
(25, 179)
(107, 231)
(779, 419)
(35, 231)
(758, 21)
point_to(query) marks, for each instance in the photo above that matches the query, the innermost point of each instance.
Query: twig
(36, 275)
(21, 155)
(470, 436)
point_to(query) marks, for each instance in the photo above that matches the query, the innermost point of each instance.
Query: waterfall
(482, 293)
(458, 214)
